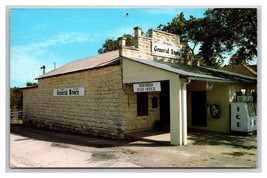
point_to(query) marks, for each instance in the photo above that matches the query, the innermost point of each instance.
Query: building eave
(195, 72)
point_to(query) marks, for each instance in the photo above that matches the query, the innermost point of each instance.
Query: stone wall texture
(132, 122)
(143, 46)
(99, 112)
(108, 108)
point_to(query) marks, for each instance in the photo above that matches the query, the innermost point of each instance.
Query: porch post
(184, 114)
(175, 112)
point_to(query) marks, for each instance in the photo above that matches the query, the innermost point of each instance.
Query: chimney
(43, 67)
(122, 44)
(122, 41)
(137, 31)
(137, 34)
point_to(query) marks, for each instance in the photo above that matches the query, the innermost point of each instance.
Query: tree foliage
(111, 44)
(16, 99)
(176, 26)
(28, 84)
(234, 31)
(221, 31)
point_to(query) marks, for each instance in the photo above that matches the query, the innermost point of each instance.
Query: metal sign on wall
(209, 85)
(164, 48)
(69, 91)
(146, 87)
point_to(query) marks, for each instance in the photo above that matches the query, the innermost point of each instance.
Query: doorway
(199, 113)
(165, 105)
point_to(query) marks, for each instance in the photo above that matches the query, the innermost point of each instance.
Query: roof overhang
(209, 80)
(98, 61)
(195, 72)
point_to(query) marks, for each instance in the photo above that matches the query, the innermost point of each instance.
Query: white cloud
(26, 60)
(61, 39)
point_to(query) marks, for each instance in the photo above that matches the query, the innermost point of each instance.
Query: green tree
(188, 30)
(234, 31)
(111, 44)
(176, 26)
(30, 84)
(16, 99)
(222, 31)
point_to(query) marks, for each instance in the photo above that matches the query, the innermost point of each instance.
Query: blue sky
(42, 36)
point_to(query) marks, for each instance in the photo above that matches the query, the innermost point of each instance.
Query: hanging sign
(165, 48)
(146, 87)
(69, 91)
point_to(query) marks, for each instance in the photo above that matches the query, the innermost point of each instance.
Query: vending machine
(243, 115)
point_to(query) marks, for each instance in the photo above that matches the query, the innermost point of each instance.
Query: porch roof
(197, 72)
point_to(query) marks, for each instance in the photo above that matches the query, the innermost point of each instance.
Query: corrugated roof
(197, 73)
(193, 72)
(250, 70)
(84, 64)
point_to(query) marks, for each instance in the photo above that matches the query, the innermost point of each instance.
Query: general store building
(134, 88)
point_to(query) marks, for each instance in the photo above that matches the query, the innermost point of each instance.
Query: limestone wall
(99, 112)
(132, 122)
(143, 45)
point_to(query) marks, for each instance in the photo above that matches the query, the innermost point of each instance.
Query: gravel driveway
(37, 148)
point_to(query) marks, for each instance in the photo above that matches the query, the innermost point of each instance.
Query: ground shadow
(195, 137)
(78, 139)
(235, 139)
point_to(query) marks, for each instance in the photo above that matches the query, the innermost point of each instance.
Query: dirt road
(36, 148)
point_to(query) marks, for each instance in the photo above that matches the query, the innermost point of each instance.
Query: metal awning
(108, 58)
(196, 72)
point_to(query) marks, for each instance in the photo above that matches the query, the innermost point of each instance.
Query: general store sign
(164, 48)
(69, 91)
(146, 87)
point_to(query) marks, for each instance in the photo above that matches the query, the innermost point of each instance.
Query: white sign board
(164, 48)
(147, 87)
(69, 91)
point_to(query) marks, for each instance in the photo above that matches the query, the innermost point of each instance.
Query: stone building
(133, 88)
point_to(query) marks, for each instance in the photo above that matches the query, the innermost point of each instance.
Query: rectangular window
(142, 104)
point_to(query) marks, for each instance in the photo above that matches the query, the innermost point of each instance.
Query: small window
(142, 104)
